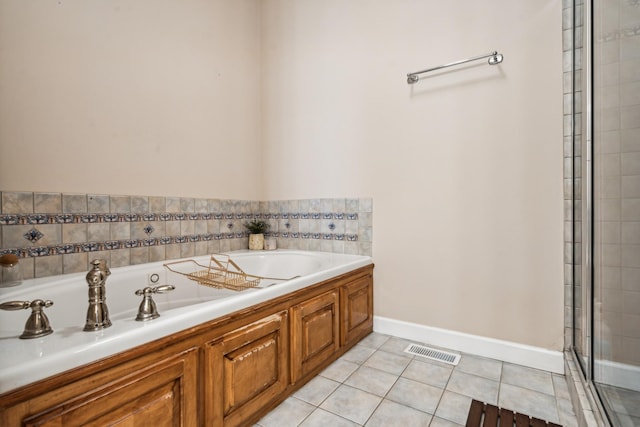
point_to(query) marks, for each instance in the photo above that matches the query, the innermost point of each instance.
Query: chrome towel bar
(494, 58)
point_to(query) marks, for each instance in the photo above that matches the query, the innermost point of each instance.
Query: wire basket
(221, 273)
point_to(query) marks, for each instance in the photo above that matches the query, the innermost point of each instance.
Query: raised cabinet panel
(163, 394)
(356, 309)
(245, 370)
(315, 333)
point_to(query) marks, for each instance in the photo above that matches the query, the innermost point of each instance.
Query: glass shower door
(616, 207)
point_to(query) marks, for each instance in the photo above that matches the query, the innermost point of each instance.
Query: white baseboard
(617, 374)
(507, 351)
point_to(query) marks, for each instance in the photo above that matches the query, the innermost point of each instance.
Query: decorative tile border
(24, 219)
(46, 228)
(33, 235)
(109, 245)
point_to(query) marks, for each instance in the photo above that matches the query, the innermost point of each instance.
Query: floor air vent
(430, 353)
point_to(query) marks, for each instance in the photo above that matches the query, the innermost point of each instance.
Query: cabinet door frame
(223, 355)
(312, 318)
(171, 380)
(356, 310)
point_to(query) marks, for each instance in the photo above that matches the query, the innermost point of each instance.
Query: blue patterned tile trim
(24, 219)
(34, 234)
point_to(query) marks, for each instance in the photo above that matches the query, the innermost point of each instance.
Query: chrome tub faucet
(97, 313)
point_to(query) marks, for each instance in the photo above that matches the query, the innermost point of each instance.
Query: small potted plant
(256, 233)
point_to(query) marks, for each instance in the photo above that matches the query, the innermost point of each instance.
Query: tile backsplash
(57, 233)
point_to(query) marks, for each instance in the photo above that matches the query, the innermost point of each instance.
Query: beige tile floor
(377, 384)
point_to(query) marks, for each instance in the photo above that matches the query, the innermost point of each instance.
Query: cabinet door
(356, 309)
(315, 333)
(163, 394)
(245, 370)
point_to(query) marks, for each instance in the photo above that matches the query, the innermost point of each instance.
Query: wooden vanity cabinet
(245, 370)
(230, 371)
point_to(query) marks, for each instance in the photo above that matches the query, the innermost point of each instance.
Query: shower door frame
(585, 208)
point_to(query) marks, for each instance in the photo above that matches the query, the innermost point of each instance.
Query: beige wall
(131, 97)
(465, 168)
(208, 98)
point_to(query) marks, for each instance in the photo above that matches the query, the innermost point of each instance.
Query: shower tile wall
(56, 233)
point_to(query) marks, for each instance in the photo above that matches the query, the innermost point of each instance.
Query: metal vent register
(431, 353)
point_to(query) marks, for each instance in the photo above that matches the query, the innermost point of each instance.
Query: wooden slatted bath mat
(486, 415)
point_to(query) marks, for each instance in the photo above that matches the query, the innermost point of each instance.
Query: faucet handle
(15, 305)
(163, 289)
(38, 323)
(147, 309)
(23, 305)
(157, 290)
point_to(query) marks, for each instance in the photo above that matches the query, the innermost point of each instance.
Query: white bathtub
(23, 361)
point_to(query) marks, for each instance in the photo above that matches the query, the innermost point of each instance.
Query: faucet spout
(97, 313)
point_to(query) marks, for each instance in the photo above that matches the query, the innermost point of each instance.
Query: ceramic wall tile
(74, 263)
(187, 250)
(120, 258)
(631, 232)
(187, 228)
(630, 209)
(27, 267)
(201, 248)
(630, 256)
(139, 255)
(631, 350)
(139, 204)
(631, 279)
(120, 204)
(201, 205)
(97, 203)
(156, 253)
(200, 227)
(629, 71)
(74, 203)
(119, 231)
(14, 202)
(48, 266)
(172, 204)
(47, 202)
(187, 204)
(630, 163)
(73, 233)
(631, 187)
(157, 204)
(14, 236)
(214, 205)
